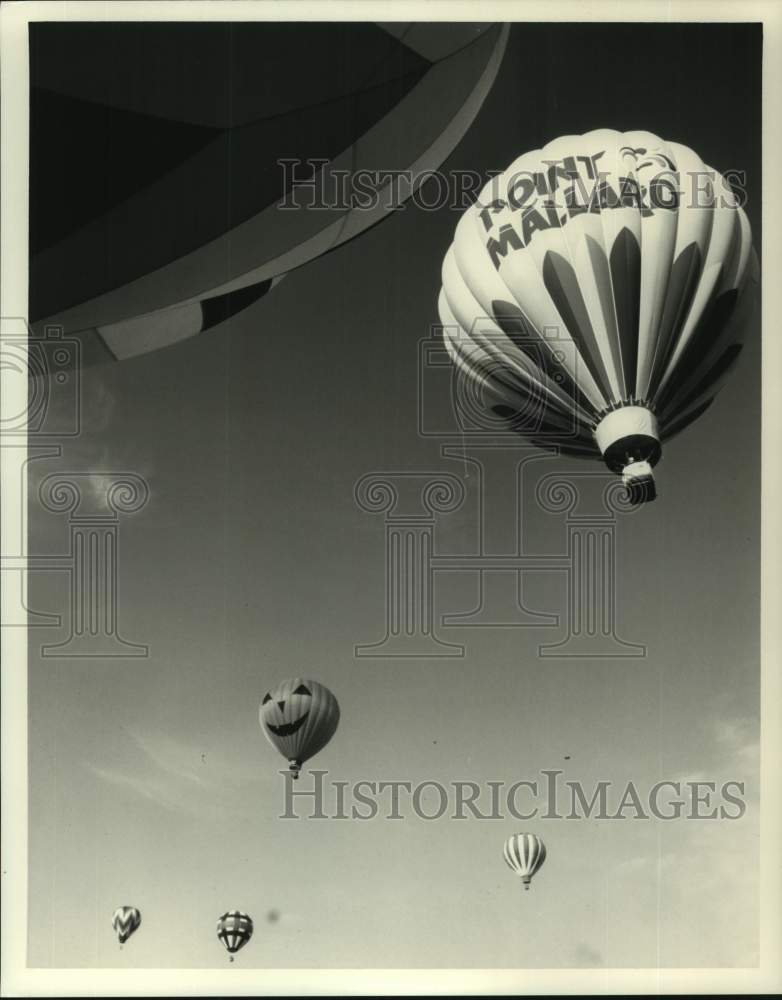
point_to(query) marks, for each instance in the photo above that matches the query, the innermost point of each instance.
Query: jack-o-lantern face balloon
(299, 717)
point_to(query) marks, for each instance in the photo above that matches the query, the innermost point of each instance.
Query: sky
(150, 782)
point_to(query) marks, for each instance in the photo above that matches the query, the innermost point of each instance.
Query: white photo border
(17, 978)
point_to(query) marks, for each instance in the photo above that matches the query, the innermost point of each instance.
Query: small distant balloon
(125, 921)
(298, 718)
(524, 853)
(234, 929)
(273, 916)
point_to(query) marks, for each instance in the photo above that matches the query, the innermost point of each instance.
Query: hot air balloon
(135, 244)
(524, 853)
(299, 717)
(234, 929)
(125, 921)
(596, 295)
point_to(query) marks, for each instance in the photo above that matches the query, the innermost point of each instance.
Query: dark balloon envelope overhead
(163, 219)
(596, 296)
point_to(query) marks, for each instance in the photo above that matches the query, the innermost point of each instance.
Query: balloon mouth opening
(629, 441)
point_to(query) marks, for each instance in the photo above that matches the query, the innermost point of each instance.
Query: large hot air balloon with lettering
(298, 718)
(524, 853)
(125, 920)
(596, 295)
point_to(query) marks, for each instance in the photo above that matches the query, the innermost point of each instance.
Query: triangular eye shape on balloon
(596, 296)
(298, 718)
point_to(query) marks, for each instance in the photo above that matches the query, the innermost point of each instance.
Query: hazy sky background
(150, 781)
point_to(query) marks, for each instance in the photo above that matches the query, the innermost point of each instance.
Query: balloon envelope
(234, 929)
(596, 295)
(298, 718)
(524, 853)
(125, 921)
(185, 141)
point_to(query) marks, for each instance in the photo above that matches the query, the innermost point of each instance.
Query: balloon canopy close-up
(158, 178)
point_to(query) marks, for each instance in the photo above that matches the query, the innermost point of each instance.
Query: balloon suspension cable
(464, 451)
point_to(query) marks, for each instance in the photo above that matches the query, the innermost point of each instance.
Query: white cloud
(147, 788)
(701, 875)
(178, 776)
(739, 742)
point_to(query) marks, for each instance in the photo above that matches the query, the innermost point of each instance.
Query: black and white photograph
(390, 473)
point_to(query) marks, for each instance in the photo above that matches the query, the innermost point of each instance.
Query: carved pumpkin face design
(274, 715)
(299, 717)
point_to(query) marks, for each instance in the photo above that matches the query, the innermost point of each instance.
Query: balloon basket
(640, 490)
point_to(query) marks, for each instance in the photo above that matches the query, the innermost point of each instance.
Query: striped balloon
(596, 296)
(524, 853)
(125, 921)
(299, 717)
(234, 929)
